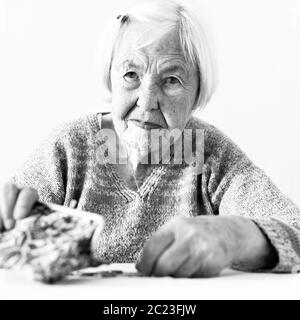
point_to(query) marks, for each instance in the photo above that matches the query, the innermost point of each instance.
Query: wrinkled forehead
(150, 41)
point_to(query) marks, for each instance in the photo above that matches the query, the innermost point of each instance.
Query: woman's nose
(148, 97)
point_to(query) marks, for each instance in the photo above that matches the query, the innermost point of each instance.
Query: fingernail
(9, 224)
(137, 266)
(18, 214)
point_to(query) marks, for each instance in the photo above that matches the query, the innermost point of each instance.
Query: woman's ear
(195, 109)
(195, 105)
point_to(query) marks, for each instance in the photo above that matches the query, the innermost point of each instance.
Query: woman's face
(153, 86)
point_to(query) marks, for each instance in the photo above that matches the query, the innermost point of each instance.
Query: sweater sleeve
(235, 186)
(45, 170)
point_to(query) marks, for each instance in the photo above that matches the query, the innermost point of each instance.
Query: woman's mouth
(146, 125)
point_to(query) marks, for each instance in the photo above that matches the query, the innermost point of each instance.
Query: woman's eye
(172, 81)
(131, 76)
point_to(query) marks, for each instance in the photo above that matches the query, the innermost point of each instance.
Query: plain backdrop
(48, 76)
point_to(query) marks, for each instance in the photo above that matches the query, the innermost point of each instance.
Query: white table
(229, 285)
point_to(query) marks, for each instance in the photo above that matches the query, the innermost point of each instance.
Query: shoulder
(213, 135)
(209, 129)
(76, 132)
(217, 145)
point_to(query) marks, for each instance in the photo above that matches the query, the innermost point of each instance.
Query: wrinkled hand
(15, 204)
(189, 247)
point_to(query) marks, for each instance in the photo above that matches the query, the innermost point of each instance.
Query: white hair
(161, 16)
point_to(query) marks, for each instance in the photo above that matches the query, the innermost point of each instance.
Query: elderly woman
(165, 216)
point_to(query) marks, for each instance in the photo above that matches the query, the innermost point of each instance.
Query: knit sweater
(66, 166)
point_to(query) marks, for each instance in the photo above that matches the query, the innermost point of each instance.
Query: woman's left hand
(190, 247)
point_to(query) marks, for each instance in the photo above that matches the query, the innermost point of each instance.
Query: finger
(193, 263)
(1, 224)
(155, 246)
(96, 237)
(171, 259)
(213, 271)
(9, 194)
(188, 268)
(212, 266)
(26, 199)
(207, 271)
(204, 266)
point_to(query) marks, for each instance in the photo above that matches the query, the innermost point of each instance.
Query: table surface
(102, 283)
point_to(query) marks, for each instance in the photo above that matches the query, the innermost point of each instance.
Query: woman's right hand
(15, 204)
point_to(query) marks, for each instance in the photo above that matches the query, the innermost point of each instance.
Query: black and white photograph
(149, 151)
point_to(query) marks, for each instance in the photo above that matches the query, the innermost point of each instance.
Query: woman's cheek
(177, 112)
(122, 103)
(119, 97)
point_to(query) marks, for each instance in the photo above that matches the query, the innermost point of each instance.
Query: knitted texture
(67, 166)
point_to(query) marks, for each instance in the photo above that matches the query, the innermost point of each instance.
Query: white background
(48, 76)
